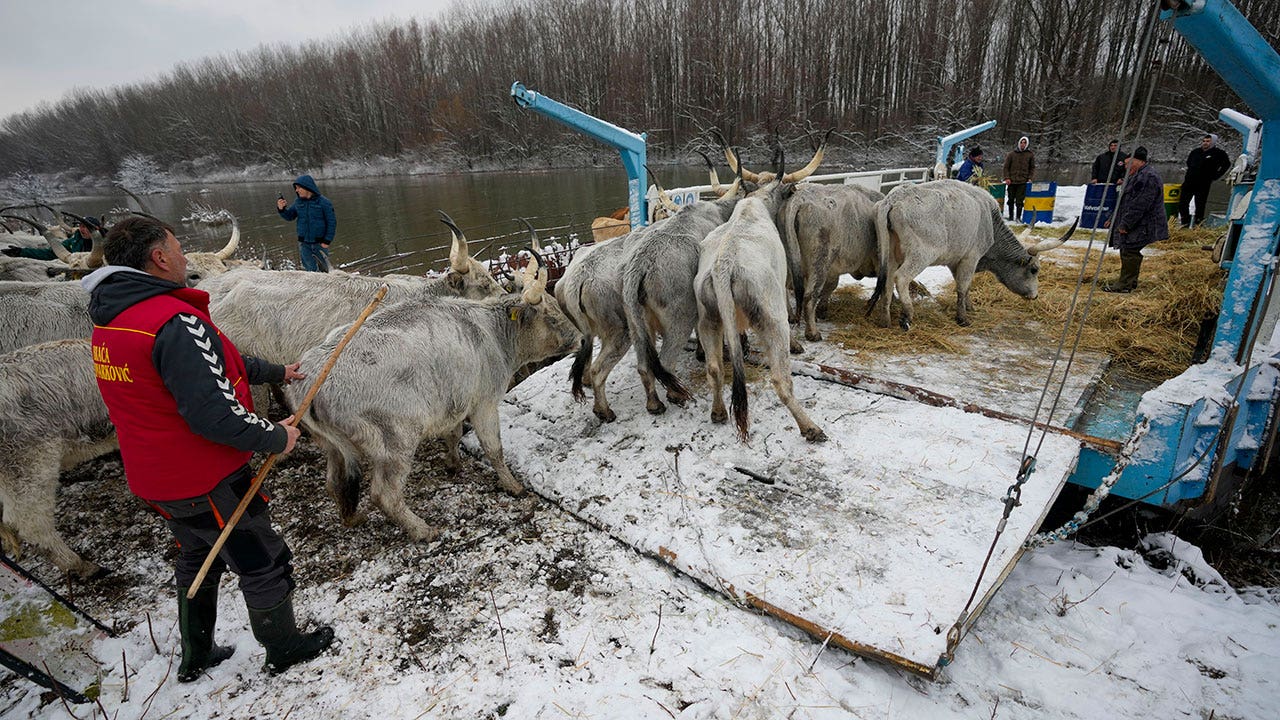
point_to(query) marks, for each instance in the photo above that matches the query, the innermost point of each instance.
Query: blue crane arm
(946, 143)
(628, 144)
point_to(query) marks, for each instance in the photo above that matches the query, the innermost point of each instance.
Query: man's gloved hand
(12, 251)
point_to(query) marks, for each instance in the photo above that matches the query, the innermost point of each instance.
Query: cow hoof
(796, 347)
(813, 335)
(656, 407)
(904, 324)
(513, 488)
(719, 417)
(814, 434)
(423, 534)
(89, 571)
(822, 313)
(355, 519)
(606, 415)
(963, 322)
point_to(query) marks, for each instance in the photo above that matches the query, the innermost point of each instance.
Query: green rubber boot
(277, 630)
(196, 618)
(1130, 266)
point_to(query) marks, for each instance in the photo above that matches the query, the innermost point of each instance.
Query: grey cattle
(657, 292)
(828, 230)
(415, 370)
(35, 312)
(952, 223)
(51, 418)
(741, 285)
(29, 270)
(277, 314)
(590, 294)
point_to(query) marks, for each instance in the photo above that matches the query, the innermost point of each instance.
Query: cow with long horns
(741, 285)
(418, 369)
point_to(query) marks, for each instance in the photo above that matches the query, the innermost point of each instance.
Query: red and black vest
(163, 459)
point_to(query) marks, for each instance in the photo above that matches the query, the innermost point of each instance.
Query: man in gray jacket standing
(1138, 222)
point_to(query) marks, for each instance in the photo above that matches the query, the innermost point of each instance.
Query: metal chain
(1097, 496)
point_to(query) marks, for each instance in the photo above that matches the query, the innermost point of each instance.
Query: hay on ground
(1150, 332)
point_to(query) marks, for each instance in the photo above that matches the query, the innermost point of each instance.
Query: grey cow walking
(741, 285)
(657, 292)
(590, 293)
(828, 230)
(417, 370)
(51, 419)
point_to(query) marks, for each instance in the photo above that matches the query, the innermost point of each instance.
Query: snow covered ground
(521, 610)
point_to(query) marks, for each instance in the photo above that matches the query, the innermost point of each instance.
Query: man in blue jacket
(971, 169)
(316, 223)
(1138, 222)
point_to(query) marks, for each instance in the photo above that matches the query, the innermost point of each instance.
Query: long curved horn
(233, 243)
(808, 170)
(96, 254)
(535, 281)
(732, 159)
(458, 252)
(136, 199)
(1050, 244)
(711, 170)
(533, 235)
(63, 254)
(28, 221)
(662, 194)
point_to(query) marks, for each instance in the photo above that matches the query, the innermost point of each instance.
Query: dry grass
(1150, 332)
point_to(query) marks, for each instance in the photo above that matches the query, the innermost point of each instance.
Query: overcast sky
(52, 46)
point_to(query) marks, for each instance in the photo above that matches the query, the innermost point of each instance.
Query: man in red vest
(178, 394)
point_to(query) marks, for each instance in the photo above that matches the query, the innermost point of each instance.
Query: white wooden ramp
(873, 539)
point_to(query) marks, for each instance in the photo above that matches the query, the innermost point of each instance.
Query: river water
(380, 217)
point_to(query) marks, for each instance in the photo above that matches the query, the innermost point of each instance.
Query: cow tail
(345, 485)
(791, 228)
(634, 297)
(729, 325)
(581, 361)
(884, 246)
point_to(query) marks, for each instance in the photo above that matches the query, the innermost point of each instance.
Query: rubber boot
(1130, 265)
(278, 632)
(196, 618)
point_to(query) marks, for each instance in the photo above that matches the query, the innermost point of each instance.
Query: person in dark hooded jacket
(1019, 169)
(80, 241)
(176, 390)
(316, 223)
(1139, 220)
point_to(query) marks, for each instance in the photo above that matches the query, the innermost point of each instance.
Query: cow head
(204, 265)
(666, 208)
(1019, 271)
(767, 177)
(466, 276)
(542, 329)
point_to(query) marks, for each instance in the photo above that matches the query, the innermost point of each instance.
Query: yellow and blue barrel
(1172, 195)
(1038, 206)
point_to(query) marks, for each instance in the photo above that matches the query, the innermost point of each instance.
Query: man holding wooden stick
(177, 391)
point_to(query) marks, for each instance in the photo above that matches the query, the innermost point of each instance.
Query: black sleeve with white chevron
(188, 356)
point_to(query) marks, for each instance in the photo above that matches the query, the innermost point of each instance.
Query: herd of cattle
(444, 349)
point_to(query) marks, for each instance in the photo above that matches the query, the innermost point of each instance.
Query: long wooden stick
(271, 459)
